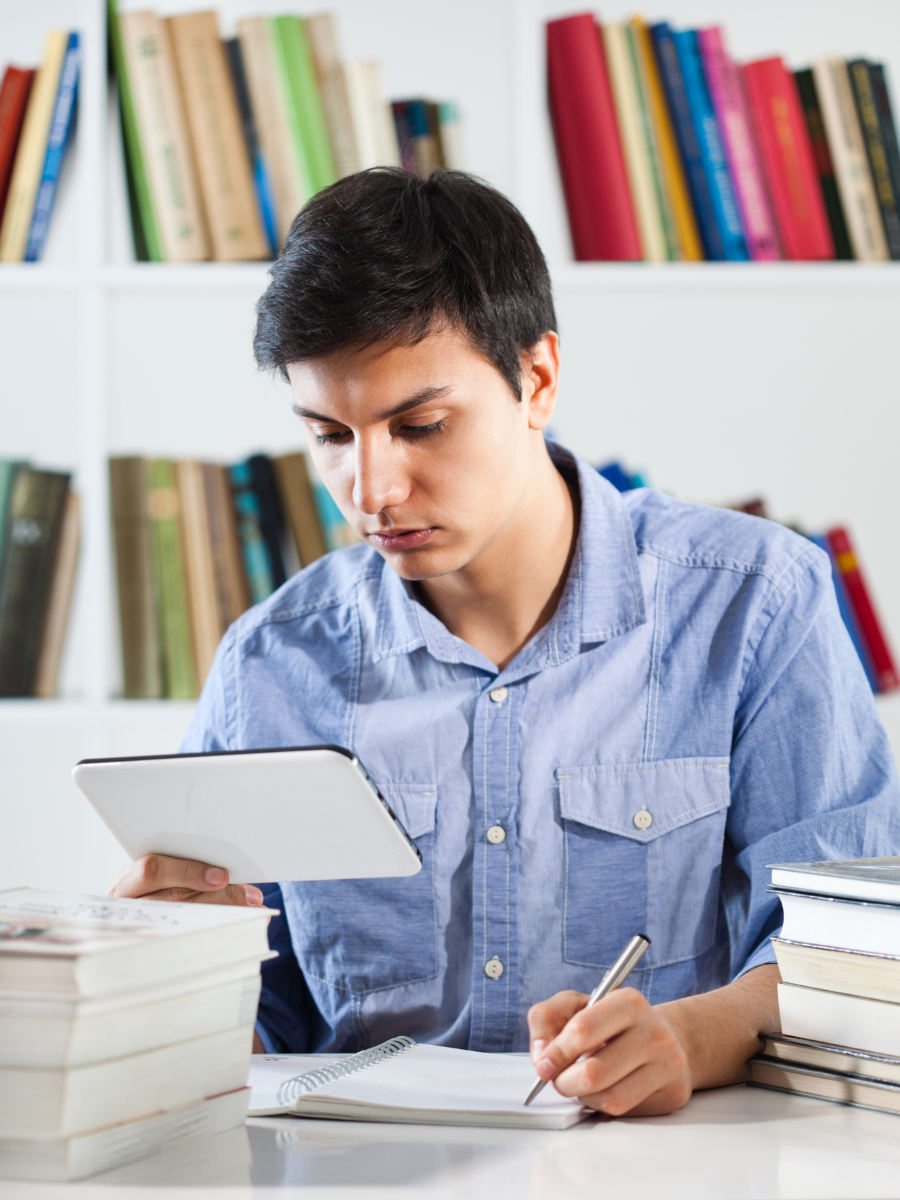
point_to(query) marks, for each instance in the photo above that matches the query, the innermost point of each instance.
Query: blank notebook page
(438, 1077)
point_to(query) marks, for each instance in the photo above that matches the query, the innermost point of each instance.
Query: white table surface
(735, 1142)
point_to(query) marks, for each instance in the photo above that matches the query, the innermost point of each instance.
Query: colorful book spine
(424, 143)
(687, 236)
(60, 128)
(162, 129)
(262, 182)
(676, 95)
(14, 93)
(271, 516)
(812, 113)
(871, 126)
(712, 151)
(253, 546)
(164, 511)
(62, 584)
(629, 110)
(634, 31)
(32, 151)
(886, 117)
(300, 87)
(733, 118)
(321, 30)
(872, 632)
(592, 162)
(148, 244)
(788, 161)
(851, 166)
(848, 615)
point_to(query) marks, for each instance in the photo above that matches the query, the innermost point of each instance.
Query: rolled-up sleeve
(812, 774)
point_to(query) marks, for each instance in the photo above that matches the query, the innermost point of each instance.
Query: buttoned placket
(495, 939)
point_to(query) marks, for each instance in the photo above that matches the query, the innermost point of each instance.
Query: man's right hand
(158, 877)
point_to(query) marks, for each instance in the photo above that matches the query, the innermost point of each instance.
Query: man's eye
(332, 439)
(422, 431)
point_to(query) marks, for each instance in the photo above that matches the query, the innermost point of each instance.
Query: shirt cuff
(266, 1038)
(760, 957)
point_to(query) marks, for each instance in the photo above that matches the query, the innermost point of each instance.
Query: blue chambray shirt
(693, 712)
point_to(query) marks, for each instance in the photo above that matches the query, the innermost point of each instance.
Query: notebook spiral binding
(311, 1080)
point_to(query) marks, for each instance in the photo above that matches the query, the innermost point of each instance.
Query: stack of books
(671, 151)
(39, 534)
(854, 596)
(37, 114)
(839, 957)
(196, 544)
(126, 1027)
(225, 141)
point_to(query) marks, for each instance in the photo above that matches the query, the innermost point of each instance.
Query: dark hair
(384, 255)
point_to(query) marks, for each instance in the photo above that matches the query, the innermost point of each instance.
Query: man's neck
(499, 601)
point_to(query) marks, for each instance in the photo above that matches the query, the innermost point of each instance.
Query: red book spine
(13, 99)
(592, 164)
(870, 626)
(788, 160)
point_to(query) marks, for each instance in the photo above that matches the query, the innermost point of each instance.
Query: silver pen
(614, 978)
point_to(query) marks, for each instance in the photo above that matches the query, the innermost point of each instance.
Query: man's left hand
(644, 1060)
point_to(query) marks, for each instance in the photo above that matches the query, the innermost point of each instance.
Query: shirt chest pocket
(361, 935)
(643, 852)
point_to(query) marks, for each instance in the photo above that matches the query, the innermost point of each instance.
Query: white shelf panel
(136, 277)
(732, 277)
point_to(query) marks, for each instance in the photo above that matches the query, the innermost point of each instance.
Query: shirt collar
(602, 597)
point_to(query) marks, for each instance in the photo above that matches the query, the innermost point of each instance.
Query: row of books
(126, 1028)
(37, 114)
(225, 141)
(196, 544)
(39, 535)
(839, 1000)
(671, 151)
(854, 596)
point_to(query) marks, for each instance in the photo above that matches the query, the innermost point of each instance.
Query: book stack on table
(839, 957)
(126, 1027)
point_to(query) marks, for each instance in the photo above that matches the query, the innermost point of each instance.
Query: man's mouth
(400, 539)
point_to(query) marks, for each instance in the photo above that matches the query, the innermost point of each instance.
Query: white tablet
(266, 816)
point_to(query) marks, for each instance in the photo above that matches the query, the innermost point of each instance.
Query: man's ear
(540, 380)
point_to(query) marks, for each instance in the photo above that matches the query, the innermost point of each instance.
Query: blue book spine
(614, 473)
(266, 199)
(676, 97)
(335, 530)
(712, 150)
(846, 611)
(60, 129)
(253, 548)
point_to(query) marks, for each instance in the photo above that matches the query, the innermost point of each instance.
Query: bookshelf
(719, 380)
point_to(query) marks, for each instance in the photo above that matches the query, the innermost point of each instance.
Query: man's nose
(380, 479)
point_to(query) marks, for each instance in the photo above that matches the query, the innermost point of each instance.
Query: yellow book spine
(637, 158)
(29, 164)
(670, 158)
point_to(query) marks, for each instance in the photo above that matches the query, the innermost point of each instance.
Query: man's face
(424, 448)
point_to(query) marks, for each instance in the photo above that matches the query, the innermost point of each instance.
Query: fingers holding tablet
(160, 877)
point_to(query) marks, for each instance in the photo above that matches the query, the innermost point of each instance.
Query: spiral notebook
(401, 1081)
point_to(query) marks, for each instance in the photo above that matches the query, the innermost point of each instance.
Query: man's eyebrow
(420, 397)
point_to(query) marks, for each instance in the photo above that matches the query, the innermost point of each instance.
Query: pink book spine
(730, 104)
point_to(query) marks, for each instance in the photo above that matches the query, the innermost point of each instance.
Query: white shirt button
(496, 834)
(498, 695)
(494, 968)
(643, 819)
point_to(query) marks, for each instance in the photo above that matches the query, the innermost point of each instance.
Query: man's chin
(426, 562)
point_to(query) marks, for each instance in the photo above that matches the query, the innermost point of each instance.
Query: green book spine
(305, 113)
(138, 182)
(8, 472)
(135, 574)
(177, 640)
(35, 516)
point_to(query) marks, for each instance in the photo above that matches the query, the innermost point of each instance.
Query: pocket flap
(414, 805)
(644, 800)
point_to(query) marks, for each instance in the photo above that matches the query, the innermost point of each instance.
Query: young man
(596, 714)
